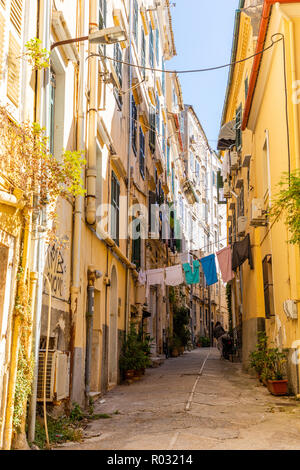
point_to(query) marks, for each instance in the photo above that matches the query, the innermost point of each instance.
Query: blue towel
(192, 277)
(209, 269)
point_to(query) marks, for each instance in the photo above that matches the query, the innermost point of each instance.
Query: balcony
(189, 191)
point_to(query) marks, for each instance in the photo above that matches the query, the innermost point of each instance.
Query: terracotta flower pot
(174, 352)
(129, 374)
(278, 387)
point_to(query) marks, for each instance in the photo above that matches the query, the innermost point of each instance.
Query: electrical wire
(186, 71)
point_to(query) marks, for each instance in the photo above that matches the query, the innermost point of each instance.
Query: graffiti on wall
(56, 271)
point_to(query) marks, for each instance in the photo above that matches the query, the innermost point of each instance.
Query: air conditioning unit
(258, 218)
(57, 375)
(234, 158)
(226, 189)
(242, 224)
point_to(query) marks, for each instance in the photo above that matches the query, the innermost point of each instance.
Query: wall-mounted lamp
(102, 36)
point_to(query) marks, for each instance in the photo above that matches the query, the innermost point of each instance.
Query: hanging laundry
(192, 276)
(242, 251)
(142, 278)
(225, 263)
(174, 276)
(209, 269)
(155, 277)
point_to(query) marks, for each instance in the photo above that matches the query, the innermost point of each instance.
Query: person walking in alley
(219, 333)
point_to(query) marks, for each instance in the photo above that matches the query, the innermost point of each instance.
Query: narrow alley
(198, 402)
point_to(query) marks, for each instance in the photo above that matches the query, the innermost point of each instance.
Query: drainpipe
(41, 114)
(92, 119)
(79, 202)
(93, 275)
(129, 174)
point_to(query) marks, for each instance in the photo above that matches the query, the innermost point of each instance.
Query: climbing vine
(287, 204)
(38, 57)
(28, 165)
(33, 174)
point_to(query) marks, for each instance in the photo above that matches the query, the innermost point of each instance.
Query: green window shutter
(152, 131)
(115, 202)
(136, 249)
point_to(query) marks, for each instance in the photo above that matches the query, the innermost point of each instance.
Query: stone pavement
(194, 402)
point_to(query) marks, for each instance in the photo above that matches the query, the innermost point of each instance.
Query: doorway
(113, 331)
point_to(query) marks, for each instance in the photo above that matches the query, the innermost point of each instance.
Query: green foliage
(267, 362)
(181, 321)
(258, 357)
(59, 430)
(77, 414)
(23, 387)
(135, 352)
(287, 204)
(38, 57)
(100, 416)
(204, 341)
(73, 163)
(172, 297)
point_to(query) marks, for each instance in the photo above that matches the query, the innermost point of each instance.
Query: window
(157, 114)
(118, 69)
(136, 244)
(11, 26)
(197, 169)
(152, 133)
(241, 203)
(115, 208)
(163, 78)
(173, 181)
(168, 161)
(268, 286)
(143, 54)
(164, 140)
(246, 87)
(192, 163)
(98, 175)
(136, 21)
(238, 126)
(134, 125)
(151, 47)
(142, 153)
(102, 14)
(157, 45)
(52, 110)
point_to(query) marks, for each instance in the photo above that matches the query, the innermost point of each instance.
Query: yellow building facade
(267, 131)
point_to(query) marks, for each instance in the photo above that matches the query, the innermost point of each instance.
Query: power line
(186, 71)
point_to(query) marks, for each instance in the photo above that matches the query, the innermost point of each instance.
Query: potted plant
(258, 357)
(175, 346)
(269, 366)
(204, 341)
(277, 383)
(134, 357)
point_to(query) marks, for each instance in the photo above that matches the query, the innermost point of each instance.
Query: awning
(227, 136)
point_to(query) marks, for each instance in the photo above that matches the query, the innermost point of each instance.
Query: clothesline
(228, 259)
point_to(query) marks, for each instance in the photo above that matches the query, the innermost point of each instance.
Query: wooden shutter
(13, 75)
(2, 3)
(14, 51)
(16, 15)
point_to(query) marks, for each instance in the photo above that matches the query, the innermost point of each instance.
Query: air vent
(57, 376)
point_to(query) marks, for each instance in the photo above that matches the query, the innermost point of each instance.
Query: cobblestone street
(194, 402)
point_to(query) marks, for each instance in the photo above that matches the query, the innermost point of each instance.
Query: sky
(203, 31)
